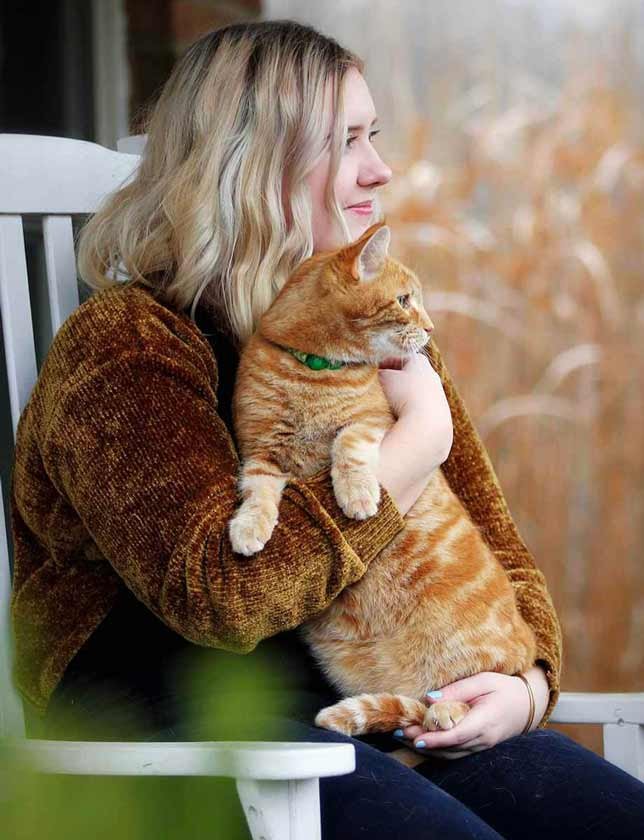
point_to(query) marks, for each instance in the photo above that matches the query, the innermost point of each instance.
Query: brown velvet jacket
(125, 474)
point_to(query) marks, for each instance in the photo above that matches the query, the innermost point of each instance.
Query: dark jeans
(530, 786)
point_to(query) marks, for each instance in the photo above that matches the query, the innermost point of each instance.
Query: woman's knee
(382, 798)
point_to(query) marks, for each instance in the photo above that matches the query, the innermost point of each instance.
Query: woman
(260, 152)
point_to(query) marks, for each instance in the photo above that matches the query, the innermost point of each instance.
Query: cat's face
(380, 299)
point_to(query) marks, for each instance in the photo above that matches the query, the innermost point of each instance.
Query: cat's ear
(370, 259)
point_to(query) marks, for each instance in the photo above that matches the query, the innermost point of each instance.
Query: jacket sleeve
(140, 452)
(471, 475)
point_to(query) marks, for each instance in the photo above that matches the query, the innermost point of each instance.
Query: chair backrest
(50, 179)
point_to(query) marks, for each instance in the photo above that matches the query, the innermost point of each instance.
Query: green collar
(315, 362)
(310, 359)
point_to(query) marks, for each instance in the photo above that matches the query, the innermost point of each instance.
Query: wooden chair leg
(281, 810)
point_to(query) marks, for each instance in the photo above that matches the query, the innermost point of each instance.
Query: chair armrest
(599, 707)
(277, 782)
(622, 717)
(237, 759)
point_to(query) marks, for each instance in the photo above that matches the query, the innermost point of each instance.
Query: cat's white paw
(250, 529)
(445, 714)
(357, 493)
(337, 718)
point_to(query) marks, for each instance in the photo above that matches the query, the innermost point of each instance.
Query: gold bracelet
(532, 703)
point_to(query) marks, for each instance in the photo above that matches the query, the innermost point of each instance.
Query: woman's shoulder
(128, 316)
(128, 321)
(120, 334)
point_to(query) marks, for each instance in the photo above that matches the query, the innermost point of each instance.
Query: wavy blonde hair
(241, 119)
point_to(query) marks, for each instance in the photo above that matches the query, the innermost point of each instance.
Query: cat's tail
(371, 713)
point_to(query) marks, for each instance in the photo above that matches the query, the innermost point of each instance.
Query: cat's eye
(403, 300)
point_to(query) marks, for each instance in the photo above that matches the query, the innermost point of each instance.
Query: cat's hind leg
(366, 713)
(261, 484)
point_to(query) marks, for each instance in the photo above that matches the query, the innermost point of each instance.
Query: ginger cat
(435, 605)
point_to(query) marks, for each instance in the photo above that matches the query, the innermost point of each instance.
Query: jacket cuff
(367, 537)
(544, 661)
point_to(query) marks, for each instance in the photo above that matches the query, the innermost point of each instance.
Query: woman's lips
(362, 209)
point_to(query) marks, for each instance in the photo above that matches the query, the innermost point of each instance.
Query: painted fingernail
(434, 694)
(420, 744)
(398, 733)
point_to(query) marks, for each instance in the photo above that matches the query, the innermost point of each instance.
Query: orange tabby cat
(435, 605)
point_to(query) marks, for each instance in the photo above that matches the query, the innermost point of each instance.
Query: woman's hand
(500, 709)
(415, 394)
(412, 385)
(421, 438)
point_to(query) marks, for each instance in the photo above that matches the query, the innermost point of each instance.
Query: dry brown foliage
(530, 247)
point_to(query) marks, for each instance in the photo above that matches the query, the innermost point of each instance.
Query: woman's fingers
(457, 753)
(457, 750)
(412, 732)
(391, 363)
(468, 690)
(467, 730)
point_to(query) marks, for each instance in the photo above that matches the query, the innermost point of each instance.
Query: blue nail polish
(398, 733)
(434, 694)
(420, 745)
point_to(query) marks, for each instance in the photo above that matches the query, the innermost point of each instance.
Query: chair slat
(16, 316)
(61, 268)
(133, 144)
(58, 175)
(12, 723)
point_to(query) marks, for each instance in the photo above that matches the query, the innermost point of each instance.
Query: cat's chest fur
(295, 414)
(310, 443)
(315, 414)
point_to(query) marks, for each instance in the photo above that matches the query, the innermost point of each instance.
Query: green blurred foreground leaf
(234, 699)
(45, 807)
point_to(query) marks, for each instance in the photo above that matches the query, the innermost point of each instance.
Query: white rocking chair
(277, 783)
(55, 178)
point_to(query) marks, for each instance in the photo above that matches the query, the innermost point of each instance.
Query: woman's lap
(543, 784)
(382, 799)
(525, 787)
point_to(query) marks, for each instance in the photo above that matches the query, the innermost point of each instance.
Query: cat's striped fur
(435, 605)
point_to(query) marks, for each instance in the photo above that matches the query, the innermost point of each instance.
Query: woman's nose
(375, 172)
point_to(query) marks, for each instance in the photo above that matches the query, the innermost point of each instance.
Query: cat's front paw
(250, 529)
(445, 714)
(357, 493)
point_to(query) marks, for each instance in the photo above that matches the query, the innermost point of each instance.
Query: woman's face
(360, 174)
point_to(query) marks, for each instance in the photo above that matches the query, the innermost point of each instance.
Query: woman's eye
(403, 300)
(353, 137)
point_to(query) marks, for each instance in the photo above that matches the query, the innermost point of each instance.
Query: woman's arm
(470, 473)
(137, 447)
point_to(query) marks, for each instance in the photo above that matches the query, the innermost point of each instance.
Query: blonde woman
(260, 153)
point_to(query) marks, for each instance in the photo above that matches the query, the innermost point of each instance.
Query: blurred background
(516, 136)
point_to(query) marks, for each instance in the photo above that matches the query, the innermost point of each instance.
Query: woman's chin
(358, 227)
